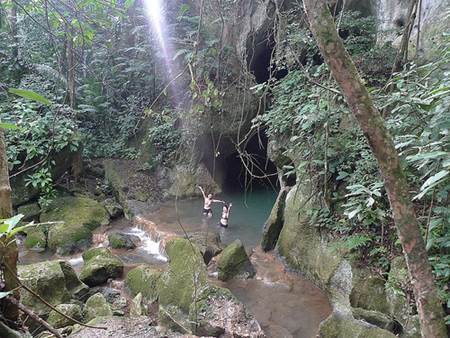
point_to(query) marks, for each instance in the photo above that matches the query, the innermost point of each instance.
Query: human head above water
(210, 196)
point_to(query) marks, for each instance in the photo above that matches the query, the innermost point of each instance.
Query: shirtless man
(225, 215)
(208, 200)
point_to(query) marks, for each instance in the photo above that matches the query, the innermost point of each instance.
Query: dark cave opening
(260, 58)
(252, 170)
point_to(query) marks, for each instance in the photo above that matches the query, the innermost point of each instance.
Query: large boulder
(189, 304)
(36, 237)
(97, 306)
(54, 281)
(274, 223)
(185, 275)
(218, 312)
(99, 266)
(30, 211)
(144, 280)
(113, 208)
(375, 318)
(136, 189)
(234, 262)
(120, 240)
(368, 291)
(81, 215)
(59, 321)
(340, 325)
(209, 244)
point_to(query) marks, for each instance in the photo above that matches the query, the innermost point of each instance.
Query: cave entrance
(261, 51)
(252, 170)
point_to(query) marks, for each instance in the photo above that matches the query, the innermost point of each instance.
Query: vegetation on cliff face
(105, 92)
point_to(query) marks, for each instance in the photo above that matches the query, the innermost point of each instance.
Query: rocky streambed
(147, 273)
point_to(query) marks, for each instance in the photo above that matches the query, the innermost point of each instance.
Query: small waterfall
(149, 245)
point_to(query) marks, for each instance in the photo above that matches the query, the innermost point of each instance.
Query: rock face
(143, 279)
(100, 265)
(369, 291)
(97, 306)
(375, 318)
(58, 321)
(119, 240)
(208, 243)
(80, 215)
(55, 281)
(186, 180)
(234, 262)
(135, 190)
(274, 223)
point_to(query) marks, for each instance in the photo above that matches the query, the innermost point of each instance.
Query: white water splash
(76, 261)
(148, 245)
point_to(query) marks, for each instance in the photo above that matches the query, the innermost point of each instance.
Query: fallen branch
(34, 317)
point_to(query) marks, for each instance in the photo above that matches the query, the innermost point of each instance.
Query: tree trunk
(70, 71)
(344, 71)
(8, 248)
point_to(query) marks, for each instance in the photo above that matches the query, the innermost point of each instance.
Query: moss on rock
(143, 279)
(274, 223)
(97, 306)
(80, 216)
(30, 211)
(234, 262)
(118, 240)
(58, 321)
(186, 274)
(55, 281)
(100, 265)
(36, 238)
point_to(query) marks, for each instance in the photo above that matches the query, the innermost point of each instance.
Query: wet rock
(339, 325)
(375, 318)
(274, 223)
(30, 211)
(234, 262)
(120, 240)
(113, 208)
(97, 306)
(99, 266)
(81, 215)
(143, 279)
(218, 312)
(117, 302)
(368, 291)
(58, 321)
(55, 281)
(209, 244)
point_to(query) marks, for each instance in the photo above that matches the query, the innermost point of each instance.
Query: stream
(285, 304)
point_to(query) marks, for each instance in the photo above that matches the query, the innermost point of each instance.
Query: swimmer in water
(208, 200)
(225, 215)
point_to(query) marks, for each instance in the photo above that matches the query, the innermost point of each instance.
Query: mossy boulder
(143, 279)
(274, 223)
(113, 208)
(55, 281)
(58, 321)
(234, 262)
(119, 240)
(340, 325)
(209, 244)
(81, 215)
(368, 291)
(36, 238)
(97, 306)
(30, 211)
(100, 265)
(186, 274)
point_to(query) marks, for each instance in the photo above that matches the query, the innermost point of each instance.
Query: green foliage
(11, 226)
